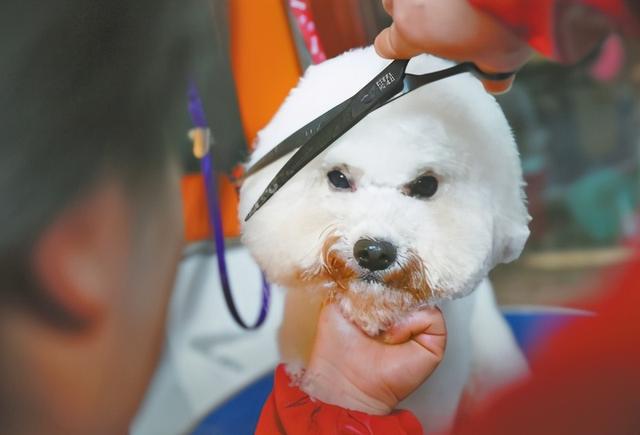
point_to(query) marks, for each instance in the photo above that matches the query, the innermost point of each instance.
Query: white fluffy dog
(412, 206)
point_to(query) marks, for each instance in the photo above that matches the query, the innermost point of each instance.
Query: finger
(432, 343)
(390, 44)
(409, 364)
(498, 87)
(427, 320)
(424, 351)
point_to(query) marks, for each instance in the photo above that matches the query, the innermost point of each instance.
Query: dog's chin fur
(375, 307)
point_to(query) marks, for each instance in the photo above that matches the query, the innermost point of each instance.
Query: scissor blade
(411, 83)
(296, 139)
(384, 86)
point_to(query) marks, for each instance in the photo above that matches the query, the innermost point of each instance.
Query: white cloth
(207, 357)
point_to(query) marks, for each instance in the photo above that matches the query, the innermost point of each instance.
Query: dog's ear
(509, 240)
(510, 231)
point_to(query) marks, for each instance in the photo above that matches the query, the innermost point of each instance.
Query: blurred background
(577, 130)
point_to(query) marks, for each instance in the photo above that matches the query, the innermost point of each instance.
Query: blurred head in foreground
(90, 218)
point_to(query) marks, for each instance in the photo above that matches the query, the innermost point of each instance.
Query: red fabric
(301, 11)
(538, 21)
(586, 381)
(290, 411)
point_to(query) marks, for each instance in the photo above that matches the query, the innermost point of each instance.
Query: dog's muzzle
(374, 281)
(372, 261)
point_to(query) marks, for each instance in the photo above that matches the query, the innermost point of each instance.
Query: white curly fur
(477, 218)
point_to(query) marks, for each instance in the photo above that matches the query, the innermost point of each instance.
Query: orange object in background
(265, 68)
(263, 58)
(195, 210)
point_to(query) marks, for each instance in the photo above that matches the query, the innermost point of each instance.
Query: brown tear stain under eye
(334, 269)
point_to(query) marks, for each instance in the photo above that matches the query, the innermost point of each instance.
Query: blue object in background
(601, 201)
(239, 415)
(531, 325)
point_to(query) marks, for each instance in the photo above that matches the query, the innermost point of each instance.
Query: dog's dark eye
(423, 187)
(338, 180)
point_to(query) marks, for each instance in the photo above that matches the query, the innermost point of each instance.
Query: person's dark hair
(86, 88)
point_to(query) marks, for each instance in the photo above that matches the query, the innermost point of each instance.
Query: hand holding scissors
(453, 29)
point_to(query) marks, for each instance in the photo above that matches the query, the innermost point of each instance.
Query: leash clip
(202, 140)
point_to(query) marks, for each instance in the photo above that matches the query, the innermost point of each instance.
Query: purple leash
(215, 220)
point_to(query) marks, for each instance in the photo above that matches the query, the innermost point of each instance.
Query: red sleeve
(564, 30)
(288, 410)
(586, 381)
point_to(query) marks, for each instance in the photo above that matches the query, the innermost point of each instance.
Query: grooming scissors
(316, 136)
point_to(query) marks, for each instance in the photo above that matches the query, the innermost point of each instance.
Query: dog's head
(417, 202)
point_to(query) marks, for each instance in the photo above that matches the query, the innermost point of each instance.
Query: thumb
(498, 87)
(391, 44)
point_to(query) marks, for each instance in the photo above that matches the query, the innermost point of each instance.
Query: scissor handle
(483, 75)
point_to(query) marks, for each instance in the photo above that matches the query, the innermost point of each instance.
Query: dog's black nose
(374, 254)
